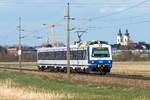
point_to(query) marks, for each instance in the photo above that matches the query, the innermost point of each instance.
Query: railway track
(112, 75)
(140, 77)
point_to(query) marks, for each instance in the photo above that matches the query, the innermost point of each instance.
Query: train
(85, 57)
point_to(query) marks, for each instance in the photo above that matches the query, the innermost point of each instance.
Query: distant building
(12, 50)
(119, 38)
(123, 40)
(29, 50)
(25, 50)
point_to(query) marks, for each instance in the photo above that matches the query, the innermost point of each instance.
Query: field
(50, 86)
(20, 86)
(134, 68)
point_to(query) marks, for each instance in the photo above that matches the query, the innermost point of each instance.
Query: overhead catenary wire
(115, 13)
(108, 15)
(131, 23)
(60, 4)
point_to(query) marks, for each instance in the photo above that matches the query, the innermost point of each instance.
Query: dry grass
(135, 68)
(88, 79)
(7, 92)
(17, 62)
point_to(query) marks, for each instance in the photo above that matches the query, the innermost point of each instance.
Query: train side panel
(78, 58)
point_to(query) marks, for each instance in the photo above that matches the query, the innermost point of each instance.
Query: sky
(98, 19)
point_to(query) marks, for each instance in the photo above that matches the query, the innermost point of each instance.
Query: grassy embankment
(18, 86)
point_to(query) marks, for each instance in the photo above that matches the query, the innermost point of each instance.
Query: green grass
(80, 91)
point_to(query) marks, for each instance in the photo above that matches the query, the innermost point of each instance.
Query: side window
(58, 55)
(71, 55)
(64, 55)
(42, 56)
(61, 55)
(51, 55)
(81, 54)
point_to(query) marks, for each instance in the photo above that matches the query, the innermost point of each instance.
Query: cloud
(105, 9)
(4, 3)
(110, 9)
(120, 9)
(29, 3)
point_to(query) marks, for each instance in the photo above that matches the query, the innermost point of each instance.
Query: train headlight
(109, 62)
(93, 62)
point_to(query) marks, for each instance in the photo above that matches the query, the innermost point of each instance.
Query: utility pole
(52, 36)
(68, 42)
(47, 40)
(19, 51)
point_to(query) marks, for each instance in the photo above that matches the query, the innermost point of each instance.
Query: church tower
(126, 38)
(119, 37)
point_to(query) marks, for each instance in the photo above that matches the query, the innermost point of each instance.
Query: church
(123, 40)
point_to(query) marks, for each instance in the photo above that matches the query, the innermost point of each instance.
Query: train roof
(78, 45)
(85, 43)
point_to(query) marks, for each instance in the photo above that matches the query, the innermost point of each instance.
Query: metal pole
(52, 36)
(19, 51)
(68, 43)
(47, 40)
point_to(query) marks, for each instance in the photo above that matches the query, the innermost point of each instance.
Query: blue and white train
(84, 56)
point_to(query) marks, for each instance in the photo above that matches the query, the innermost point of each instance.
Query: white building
(119, 37)
(123, 40)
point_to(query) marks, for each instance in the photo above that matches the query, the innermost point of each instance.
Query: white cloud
(120, 9)
(105, 9)
(4, 3)
(109, 9)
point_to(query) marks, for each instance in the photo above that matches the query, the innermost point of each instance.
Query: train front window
(100, 52)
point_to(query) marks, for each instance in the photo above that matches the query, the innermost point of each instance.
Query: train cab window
(100, 52)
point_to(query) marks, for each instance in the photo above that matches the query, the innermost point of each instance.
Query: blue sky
(101, 19)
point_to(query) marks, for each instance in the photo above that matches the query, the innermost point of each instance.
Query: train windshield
(100, 52)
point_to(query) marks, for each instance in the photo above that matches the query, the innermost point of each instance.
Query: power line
(115, 13)
(61, 4)
(131, 7)
(132, 23)
(127, 18)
